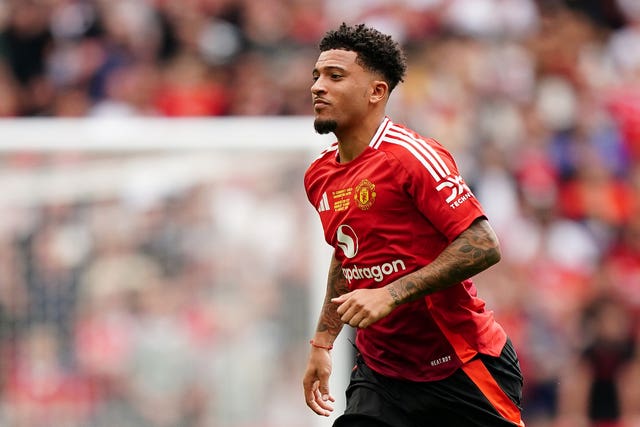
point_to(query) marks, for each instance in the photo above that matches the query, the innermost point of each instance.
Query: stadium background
(159, 263)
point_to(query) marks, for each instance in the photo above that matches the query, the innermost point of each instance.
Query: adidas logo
(324, 203)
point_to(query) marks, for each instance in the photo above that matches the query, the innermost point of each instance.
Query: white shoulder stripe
(437, 177)
(422, 151)
(375, 141)
(429, 149)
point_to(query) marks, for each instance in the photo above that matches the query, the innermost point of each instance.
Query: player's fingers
(364, 318)
(324, 401)
(323, 389)
(350, 307)
(364, 323)
(308, 384)
(310, 398)
(342, 298)
(358, 319)
(318, 409)
(343, 307)
(317, 405)
(310, 387)
(348, 314)
(318, 397)
(353, 313)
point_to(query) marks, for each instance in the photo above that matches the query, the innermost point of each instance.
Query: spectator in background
(40, 389)
(592, 388)
(190, 88)
(52, 283)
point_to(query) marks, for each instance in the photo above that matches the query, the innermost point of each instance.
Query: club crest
(365, 194)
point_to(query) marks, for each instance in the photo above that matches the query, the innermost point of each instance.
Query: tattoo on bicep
(473, 251)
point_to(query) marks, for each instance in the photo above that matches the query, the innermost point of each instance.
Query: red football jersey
(387, 213)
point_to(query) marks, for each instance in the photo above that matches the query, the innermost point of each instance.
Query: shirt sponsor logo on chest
(347, 241)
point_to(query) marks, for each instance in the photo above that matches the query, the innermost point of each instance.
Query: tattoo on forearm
(473, 251)
(394, 294)
(336, 285)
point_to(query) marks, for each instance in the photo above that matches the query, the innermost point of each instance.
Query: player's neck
(353, 141)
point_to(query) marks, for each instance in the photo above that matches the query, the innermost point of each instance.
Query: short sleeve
(432, 180)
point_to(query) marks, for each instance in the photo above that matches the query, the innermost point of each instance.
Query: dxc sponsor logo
(457, 188)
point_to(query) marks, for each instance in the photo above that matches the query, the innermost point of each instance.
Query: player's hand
(364, 307)
(316, 382)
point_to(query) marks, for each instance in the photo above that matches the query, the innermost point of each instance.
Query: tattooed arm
(473, 251)
(316, 377)
(329, 324)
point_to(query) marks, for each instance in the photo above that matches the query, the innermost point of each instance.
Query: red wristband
(326, 347)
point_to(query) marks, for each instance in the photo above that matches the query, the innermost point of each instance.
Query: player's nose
(317, 87)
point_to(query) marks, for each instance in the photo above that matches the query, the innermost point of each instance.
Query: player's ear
(379, 91)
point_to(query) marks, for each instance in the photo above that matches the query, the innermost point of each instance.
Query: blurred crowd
(156, 306)
(538, 99)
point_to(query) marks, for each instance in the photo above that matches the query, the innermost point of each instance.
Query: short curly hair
(376, 51)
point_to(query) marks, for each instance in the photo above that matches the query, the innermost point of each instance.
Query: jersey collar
(382, 130)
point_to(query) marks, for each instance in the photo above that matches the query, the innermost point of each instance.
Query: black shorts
(486, 391)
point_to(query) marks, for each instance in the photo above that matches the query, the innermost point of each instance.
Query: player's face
(340, 91)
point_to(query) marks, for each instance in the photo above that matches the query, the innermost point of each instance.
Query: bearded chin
(325, 126)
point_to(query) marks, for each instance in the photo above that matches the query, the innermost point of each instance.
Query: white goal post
(179, 145)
